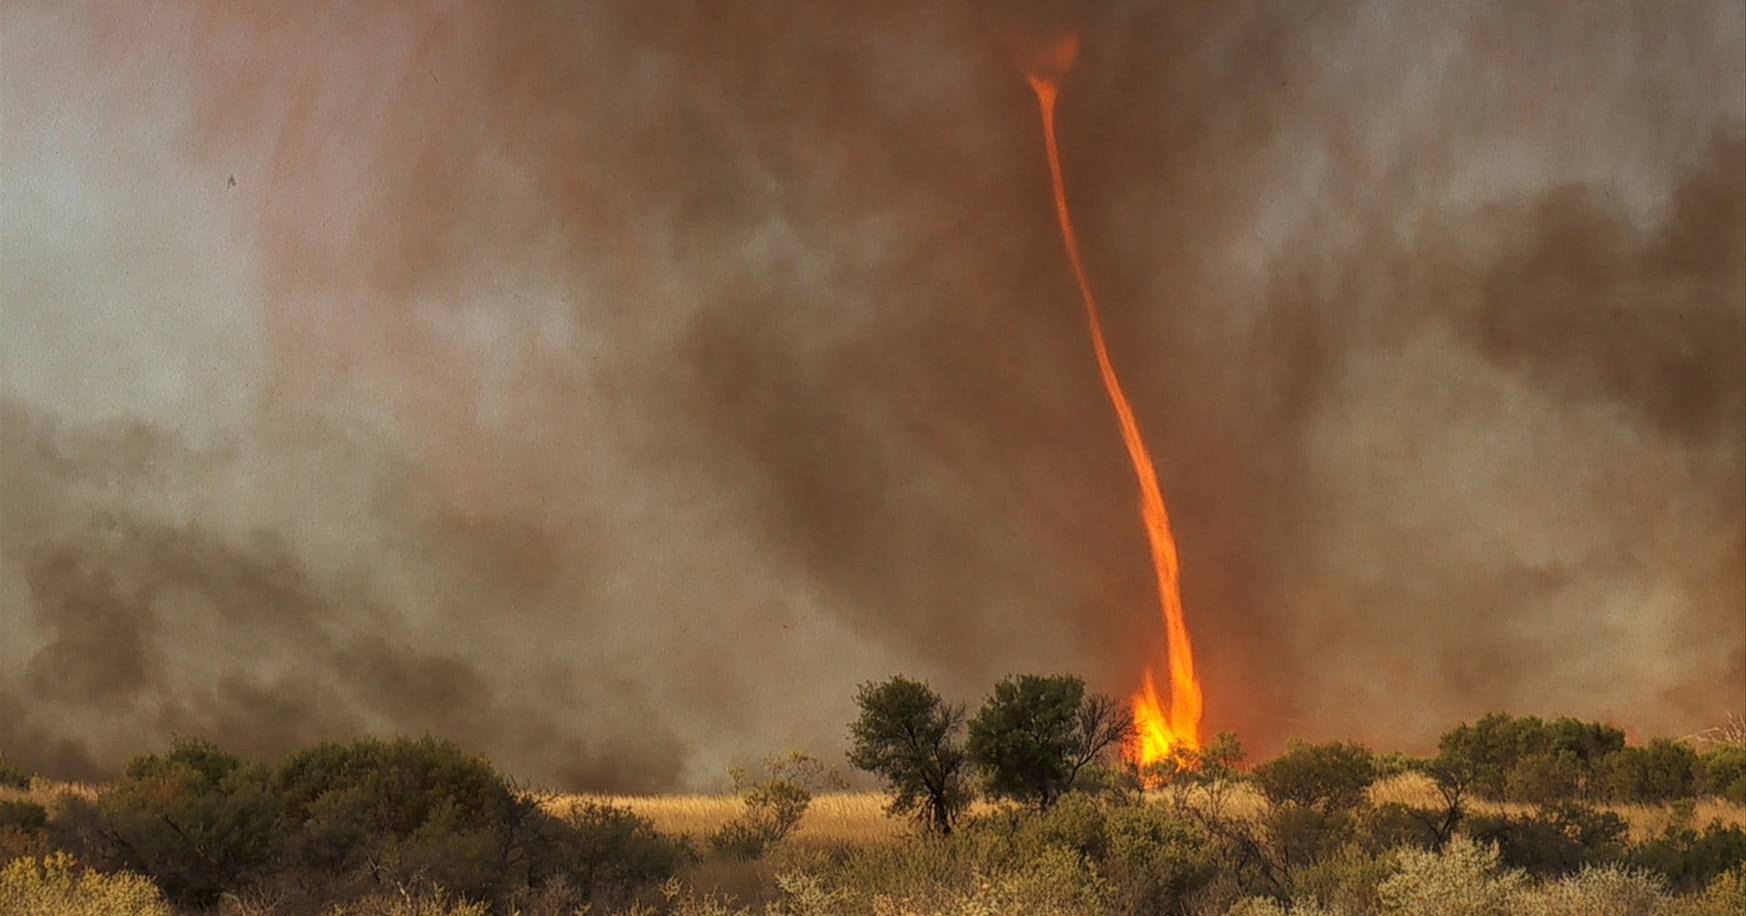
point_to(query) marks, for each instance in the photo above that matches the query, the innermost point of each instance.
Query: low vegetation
(1025, 806)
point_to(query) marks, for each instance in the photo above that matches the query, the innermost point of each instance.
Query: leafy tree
(196, 820)
(908, 736)
(1035, 734)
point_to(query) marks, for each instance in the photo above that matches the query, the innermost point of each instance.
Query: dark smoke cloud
(612, 387)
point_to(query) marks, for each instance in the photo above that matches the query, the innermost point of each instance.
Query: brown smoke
(613, 387)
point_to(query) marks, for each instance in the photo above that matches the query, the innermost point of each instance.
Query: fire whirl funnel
(1157, 732)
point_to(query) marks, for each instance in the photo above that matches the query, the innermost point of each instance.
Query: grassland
(855, 817)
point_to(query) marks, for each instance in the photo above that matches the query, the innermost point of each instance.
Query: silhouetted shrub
(1392, 825)
(196, 820)
(23, 830)
(22, 815)
(12, 776)
(1659, 772)
(1554, 840)
(1690, 859)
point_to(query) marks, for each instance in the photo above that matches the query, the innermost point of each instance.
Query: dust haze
(614, 386)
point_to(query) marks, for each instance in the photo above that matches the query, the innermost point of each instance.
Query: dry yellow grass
(833, 816)
(860, 816)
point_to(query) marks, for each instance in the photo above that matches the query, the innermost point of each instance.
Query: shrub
(435, 902)
(1512, 758)
(1463, 879)
(410, 809)
(1609, 891)
(1555, 840)
(12, 776)
(1325, 777)
(1392, 824)
(22, 816)
(1546, 777)
(1690, 859)
(1725, 896)
(1659, 772)
(775, 802)
(1154, 862)
(196, 820)
(908, 736)
(1724, 772)
(1348, 881)
(53, 885)
(1034, 735)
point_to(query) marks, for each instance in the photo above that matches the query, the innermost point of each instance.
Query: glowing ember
(1159, 731)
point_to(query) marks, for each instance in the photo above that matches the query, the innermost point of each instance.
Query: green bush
(1724, 772)
(1325, 777)
(1153, 861)
(407, 809)
(1555, 840)
(195, 820)
(1690, 859)
(1528, 759)
(1657, 773)
(607, 851)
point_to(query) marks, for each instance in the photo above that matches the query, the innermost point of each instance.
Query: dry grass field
(860, 816)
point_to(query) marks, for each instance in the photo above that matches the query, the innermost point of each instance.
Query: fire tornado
(1158, 731)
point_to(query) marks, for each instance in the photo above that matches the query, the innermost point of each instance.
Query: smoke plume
(613, 386)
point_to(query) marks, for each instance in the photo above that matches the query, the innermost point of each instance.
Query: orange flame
(1157, 732)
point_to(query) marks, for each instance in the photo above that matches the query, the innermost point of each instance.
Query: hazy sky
(613, 386)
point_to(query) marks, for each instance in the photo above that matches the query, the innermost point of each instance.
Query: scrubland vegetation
(1026, 807)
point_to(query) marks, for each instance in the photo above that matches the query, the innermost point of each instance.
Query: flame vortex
(1157, 732)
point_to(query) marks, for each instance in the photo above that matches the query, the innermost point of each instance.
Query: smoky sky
(614, 386)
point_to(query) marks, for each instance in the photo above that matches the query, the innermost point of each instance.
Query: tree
(1035, 734)
(908, 736)
(196, 820)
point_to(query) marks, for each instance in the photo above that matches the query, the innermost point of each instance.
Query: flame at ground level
(1155, 740)
(1157, 733)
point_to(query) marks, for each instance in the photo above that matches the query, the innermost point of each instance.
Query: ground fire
(1159, 731)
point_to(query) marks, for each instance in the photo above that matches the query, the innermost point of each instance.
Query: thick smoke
(613, 386)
